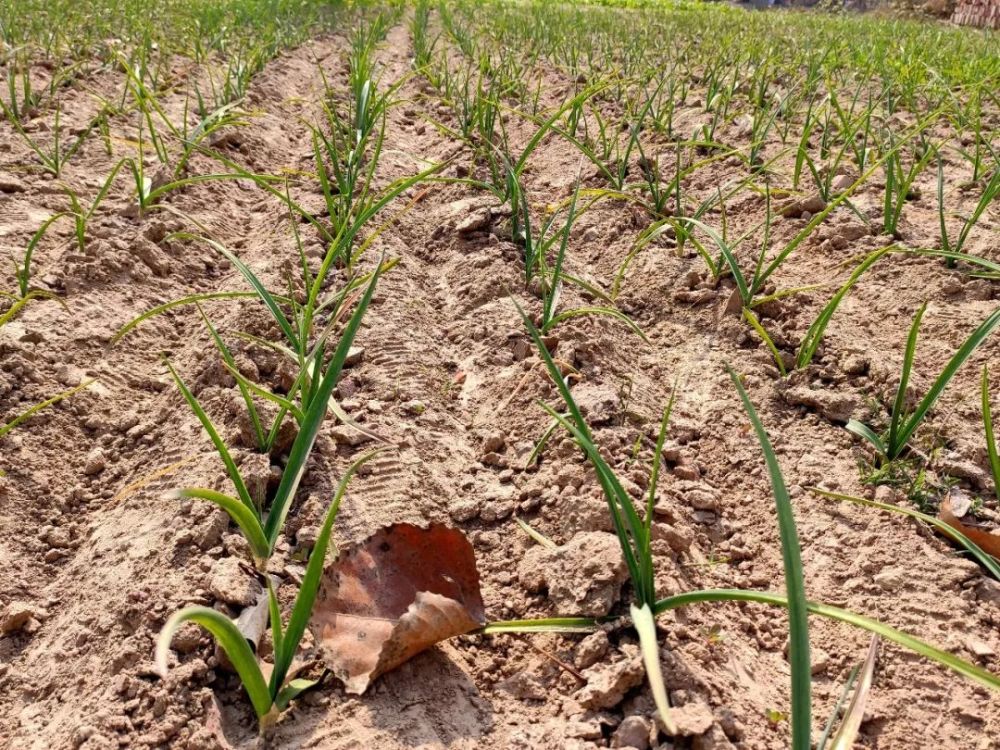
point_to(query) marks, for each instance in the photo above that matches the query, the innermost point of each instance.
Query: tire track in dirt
(409, 370)
(408, 358)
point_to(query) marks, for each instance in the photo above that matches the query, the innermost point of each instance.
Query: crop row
(804, 116)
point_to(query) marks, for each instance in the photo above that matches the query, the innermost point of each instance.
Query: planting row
(800, 134)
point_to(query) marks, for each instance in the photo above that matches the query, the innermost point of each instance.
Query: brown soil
(93, 545)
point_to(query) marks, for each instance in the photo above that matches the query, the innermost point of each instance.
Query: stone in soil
(354, 355)
(713, 739)
(96, 462)
(19, 616)
(346, 435)
(479, 219)
(592, 649)
(691, 719)
(679, 540)
(10, 184)
(607, 684)
(231, 584)
(811, 204)
(583, 577)
(598, 403)
(524, 685)
(634, 731)
(495, 442)
(835, 406)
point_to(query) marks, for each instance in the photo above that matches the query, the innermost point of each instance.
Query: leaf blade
(964, 352)
(238, 511)
(232, 642)
(798, 648)
(309, 428)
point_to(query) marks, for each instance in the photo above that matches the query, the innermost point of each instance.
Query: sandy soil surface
(93, 545)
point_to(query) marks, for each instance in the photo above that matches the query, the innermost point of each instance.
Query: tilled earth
(96, 555)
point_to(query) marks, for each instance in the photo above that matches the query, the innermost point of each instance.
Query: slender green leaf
(303, 607)
(864, 431)
(964, 352)
(274, 614)
(813, 337)
(645, 626)
(217, 441)
(984, 559)
(248, 385)
(766, 337)
(899, 404)
(309, 428)
(33, 410)
(798, 646)
(232, 642)
(654, 473)
(542, 442)
(24, 272)
(265, 296)
(19, 304)
(242, 516)
(589, 625)
(609, 311)
(551, 300)
(292, 690)
(627, 524)
(843, 196)
(746, 295)
(991, 442)
(619, 503)
(230, 364)
(189, 300)
(960, 666)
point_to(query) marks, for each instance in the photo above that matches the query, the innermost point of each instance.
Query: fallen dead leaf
(733, 306)
(987, 542)
(398, 593)
(856, 711)
(253, 621)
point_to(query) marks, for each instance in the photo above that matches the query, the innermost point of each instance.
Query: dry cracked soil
(95, 553)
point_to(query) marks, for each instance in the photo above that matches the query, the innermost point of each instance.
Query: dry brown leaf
(733, 306)
(856, 711)
(987, 542)
(398, 593)
(253, 620)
